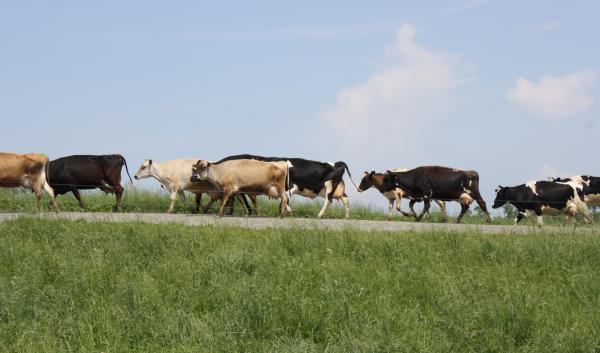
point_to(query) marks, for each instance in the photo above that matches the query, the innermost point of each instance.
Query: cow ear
(372, 172)
(149, 162)
(388, 171)
(208, 163)
(366, 173)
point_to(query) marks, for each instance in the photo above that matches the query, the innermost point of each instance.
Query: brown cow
(28, 171)
(245, 176)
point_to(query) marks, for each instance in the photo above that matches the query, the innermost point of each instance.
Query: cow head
(200, 171)
(145, 170)
(501, 196)
(366, 182)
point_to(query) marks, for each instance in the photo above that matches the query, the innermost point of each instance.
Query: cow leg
(587, 214)
(347, 205)
(252, 198)
(75, 192)
(481, 204)
(442, 205)
(182, 196)
(224, 200)
(291, 192)
(173, 200)
(519, 217)
(231, 203)
(390, 207)
(245, 204)
(198, 201)
(426, 206)
(48, 189)
(411, 205)
(184, 199)
(328, 198)
(284, 203)
(588, 217)
(213, 198)
(119, 196)
(540, 217)
(38, 197)
(464, 207)
(398, 197)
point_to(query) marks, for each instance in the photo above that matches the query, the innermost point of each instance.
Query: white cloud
(554, 98)
(389, 104)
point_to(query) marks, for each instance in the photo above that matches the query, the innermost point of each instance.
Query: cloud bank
(554, 98)
(406, 95)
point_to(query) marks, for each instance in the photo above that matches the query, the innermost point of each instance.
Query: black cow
(589, 184)
(544, 197)
(393, 195)
(84, 172)
(311, 178)
(439, 183)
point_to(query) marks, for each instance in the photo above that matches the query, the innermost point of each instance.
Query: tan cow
(175, 176)
(245, 176)
(28, 171)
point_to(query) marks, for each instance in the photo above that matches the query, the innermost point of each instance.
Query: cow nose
(135, 177)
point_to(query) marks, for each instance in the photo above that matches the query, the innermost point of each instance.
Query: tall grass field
(117, 287)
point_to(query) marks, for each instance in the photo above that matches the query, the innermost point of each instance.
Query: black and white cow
(439, 183)
(544, 197)
(590, 186)
(311, 178)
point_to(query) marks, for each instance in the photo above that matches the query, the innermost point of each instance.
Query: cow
(245, 176)
(438, 183)
(590, 186)
(29, 171)
(396, 195)
(86, 172)
(544, 197)
(175, 175)
(311, 179)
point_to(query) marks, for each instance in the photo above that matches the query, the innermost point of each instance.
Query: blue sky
(508, 88)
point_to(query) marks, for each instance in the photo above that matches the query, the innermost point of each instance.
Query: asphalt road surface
(311, 223)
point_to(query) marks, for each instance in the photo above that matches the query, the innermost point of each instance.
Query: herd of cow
(243, 177)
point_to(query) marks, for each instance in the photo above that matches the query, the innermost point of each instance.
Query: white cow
(589, 184)
(175, 176)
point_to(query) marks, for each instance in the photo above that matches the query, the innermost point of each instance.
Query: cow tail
(350, 175)
(47, 171)
(287, 179)
(127, 169)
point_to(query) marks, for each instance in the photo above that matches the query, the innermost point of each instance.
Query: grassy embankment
(139, 200)
(92, 287)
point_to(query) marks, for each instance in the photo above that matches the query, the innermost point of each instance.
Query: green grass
(108, 287)
(157, 201)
